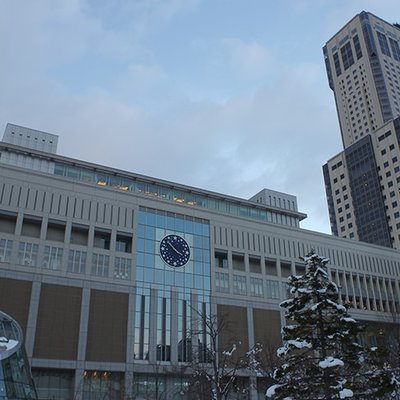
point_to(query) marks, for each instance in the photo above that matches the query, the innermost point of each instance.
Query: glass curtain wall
(174, 309)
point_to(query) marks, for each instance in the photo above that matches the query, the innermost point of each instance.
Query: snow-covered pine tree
(322, 358)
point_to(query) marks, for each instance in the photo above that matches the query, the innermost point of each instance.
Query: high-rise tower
(362, 182)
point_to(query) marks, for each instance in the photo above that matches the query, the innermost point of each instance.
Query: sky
(228, 96)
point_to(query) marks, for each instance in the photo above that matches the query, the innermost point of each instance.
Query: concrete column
(84, 321)
(78, 381)
(32, 319)
(174, 325)
(250, 333)
(153, 325)
(130, 343)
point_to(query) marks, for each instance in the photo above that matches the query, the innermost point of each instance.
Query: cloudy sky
(225, 95)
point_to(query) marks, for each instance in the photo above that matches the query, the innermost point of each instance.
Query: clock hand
(173, 247)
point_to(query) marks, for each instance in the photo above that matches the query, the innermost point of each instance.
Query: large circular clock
(174, 250)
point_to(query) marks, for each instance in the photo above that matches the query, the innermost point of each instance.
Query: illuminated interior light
(102, 183)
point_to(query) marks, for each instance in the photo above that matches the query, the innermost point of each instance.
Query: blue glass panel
(170, 222)
(188, 226)
(140, 259)
(160, 220)
(159, 277)
(198, 241)
(151, 219)
(150, 233)
(179, 279)
(141, 230)
(148, 274)
(197, 255)
(207, 283)
(179, 224)
(189, 280)
(149, 260)
(198, 282)
(169, 278)
(206, 242)
(139, 273)
(198, 228)
(140, 244)
(142, 217)
(244, 211)
(206, 256)
(198, 268)
(150, 246)
(206, 230)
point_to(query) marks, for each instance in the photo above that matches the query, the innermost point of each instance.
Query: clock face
(174, 250)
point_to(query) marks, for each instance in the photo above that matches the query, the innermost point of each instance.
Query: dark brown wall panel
(107, 330)
(235, 329)
(15, 296)
(57, 329)
(267, 328)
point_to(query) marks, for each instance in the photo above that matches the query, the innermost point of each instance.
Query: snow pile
(344, 393)
(330, 362)
(298, 344)
(7, 344)
(230, 352)
(271, 390)
(348, 319)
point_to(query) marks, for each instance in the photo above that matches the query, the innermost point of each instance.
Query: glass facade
(155, 280)
(102, 385)
(54, 383)
(15, 376)
(165, 192)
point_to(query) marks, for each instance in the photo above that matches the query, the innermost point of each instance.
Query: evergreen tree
(322, 358)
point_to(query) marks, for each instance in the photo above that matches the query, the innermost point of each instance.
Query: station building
(107, 271)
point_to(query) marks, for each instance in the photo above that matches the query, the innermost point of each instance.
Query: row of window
(77, 260)
(384, 44)
(255, 287)
(157, 190)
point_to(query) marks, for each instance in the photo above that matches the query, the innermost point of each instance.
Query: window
(123, 244)
(336, 61)
(239, 284)
(255, 265)
(27, 254)
(222, 282)
(347, 56)
(77, 261)
(238, 262)
(383, 43)
(102, 240)
(256, 287)
(5, 250)
(100, 264)
(394, 44)
(122, 268)
(357, 47)
(221, 260)
(79, 235)
(52, 257)
(272, 289)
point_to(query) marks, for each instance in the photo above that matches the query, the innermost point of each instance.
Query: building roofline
(151, 180)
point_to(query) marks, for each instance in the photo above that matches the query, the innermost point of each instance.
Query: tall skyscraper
(362, 182)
